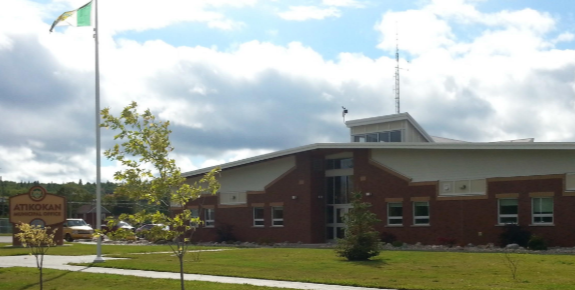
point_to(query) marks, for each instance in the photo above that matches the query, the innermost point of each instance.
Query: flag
(78, 17)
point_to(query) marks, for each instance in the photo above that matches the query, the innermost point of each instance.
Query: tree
(361, 241)
(151, 175)
(38, 241)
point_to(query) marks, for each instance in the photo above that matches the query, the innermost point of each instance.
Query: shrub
(225, 233)
(361, 241)
(450, 242)
(537, 243)
(514, 234)
(397, 244)
(387, 238)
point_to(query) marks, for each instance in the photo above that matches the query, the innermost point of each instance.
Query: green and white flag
(78, 17)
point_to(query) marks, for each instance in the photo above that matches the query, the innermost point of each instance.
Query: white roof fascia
(395, 145)
(391, 118)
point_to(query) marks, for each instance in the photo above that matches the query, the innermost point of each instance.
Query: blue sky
(238, 78)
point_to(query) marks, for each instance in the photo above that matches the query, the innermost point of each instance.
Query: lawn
(11, 279)
(76, 249)
(392, 269)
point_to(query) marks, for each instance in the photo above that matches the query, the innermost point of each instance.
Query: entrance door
(335, 227)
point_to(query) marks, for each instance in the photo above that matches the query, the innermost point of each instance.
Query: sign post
(37, 207)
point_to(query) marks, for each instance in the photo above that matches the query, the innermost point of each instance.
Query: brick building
(422, 188)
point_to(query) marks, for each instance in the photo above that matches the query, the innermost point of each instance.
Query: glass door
(335, 227)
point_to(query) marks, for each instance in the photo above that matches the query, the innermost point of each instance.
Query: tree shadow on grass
(51, 279)
(374, 263)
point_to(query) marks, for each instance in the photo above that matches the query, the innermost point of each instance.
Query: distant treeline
(9, 188)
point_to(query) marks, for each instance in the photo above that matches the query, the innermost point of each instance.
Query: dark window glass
(340, 232)
(339, 163)
(329, 232)
(359, 139)
(508, 206)
(329, 213)
(384, 137)
(371, 138)
(395, 136)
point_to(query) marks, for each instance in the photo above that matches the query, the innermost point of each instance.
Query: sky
(240, 78)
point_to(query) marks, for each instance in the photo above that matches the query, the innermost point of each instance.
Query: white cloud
(505, 81)
(418, 31)
(564, 37)
(343, 3)
(302, 13)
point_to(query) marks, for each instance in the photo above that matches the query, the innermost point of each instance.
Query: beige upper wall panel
(413, 135)
(432, 165)
(253, 177)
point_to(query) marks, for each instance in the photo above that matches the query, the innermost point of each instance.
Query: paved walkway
(60, 263)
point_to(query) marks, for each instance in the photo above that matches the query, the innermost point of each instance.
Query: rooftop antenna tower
(397, 107)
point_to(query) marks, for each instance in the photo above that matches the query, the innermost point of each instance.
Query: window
(508, 209)
(258, 216)
(339, 189)
(339, 163)
(371, 137)
(542, 210)
(359, 139)
(395, 213)
(388, 136)
(195, 214)
(421, 213)
(278, 216)
(209, 219)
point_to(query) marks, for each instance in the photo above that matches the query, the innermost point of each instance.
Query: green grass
(392, 269)
(11, 279)
(5, 235)
(75, 249)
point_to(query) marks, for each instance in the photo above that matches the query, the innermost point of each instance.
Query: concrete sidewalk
(60, 263)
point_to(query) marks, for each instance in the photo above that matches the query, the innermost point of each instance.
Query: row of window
(277, 216)
(420, 213)
(389, 136)
(541, 212)
(209, 217)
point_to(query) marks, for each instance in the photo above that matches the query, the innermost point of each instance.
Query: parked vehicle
(77, 229)
(119, 225)
(141, 231)
(113, 233)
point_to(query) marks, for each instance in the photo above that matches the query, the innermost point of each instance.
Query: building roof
(390, 118)
(384, 145)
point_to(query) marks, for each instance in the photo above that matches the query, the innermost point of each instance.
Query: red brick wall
(467, 221)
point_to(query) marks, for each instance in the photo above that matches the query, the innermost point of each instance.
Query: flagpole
(98, 258)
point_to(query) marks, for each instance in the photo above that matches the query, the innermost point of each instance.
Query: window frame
(261, 221)
(194, 213)
(416, 217)
(390, 218)
(275, 219)
(500, 215)
(209, 217)
(542, 215)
